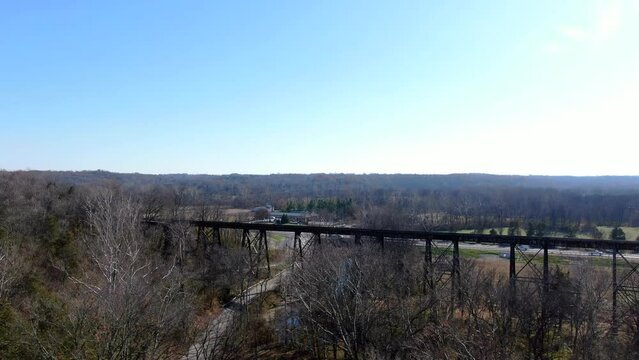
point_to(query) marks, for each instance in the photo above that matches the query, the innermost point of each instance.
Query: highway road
(556, 252)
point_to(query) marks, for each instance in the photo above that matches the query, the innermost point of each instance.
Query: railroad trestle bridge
(441, 251)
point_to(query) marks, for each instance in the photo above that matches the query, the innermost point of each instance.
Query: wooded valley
(82, 276)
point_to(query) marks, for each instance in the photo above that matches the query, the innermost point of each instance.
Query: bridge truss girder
(444, 268)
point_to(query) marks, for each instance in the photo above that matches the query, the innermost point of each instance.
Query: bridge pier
(297, 243)
(244, 238)
(544, 298)
(216, 236)
(257, 246)
(622, 287)
(380, 240)
(428, 265)
(614, 327)
(512, 274)
(264, 240)
(456, 280)
(546, 274)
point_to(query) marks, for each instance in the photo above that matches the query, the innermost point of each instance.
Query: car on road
(596, 253)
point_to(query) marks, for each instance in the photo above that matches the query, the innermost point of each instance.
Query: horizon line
(309, 173)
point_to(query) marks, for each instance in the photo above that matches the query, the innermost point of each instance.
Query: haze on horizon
(536, 87)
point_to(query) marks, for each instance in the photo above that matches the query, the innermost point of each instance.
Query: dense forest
(434, 201)
(81, 277)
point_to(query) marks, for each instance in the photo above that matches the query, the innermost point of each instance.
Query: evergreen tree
(284, 219)
(530, 229)
(617, 234)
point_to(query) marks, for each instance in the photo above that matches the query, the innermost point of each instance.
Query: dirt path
(213, 338)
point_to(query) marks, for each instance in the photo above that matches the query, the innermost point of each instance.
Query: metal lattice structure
(441, 253)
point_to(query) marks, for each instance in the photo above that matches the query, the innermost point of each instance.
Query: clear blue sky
(505, 87)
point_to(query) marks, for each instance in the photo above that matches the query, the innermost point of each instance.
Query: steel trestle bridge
(441, 262)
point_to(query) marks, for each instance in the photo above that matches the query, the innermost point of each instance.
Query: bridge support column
(513, 269)
(544, 298)
(264, 239)
(246, 242)
(512, 274)
(216, 236)
(614, 292)
(546, 273)
(244, 238)
(298, 239)
(624, 286)
(428, 264)
(456, 290)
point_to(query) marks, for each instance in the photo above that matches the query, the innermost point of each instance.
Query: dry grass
(500, 266)
(631, 232)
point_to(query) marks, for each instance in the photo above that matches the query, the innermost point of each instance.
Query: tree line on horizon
(443, 202)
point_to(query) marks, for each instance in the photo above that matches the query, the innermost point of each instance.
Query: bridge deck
(417, 235)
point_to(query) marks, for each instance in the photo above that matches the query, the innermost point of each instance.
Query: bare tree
(136, 300)
(10, 268)
(355, 301)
